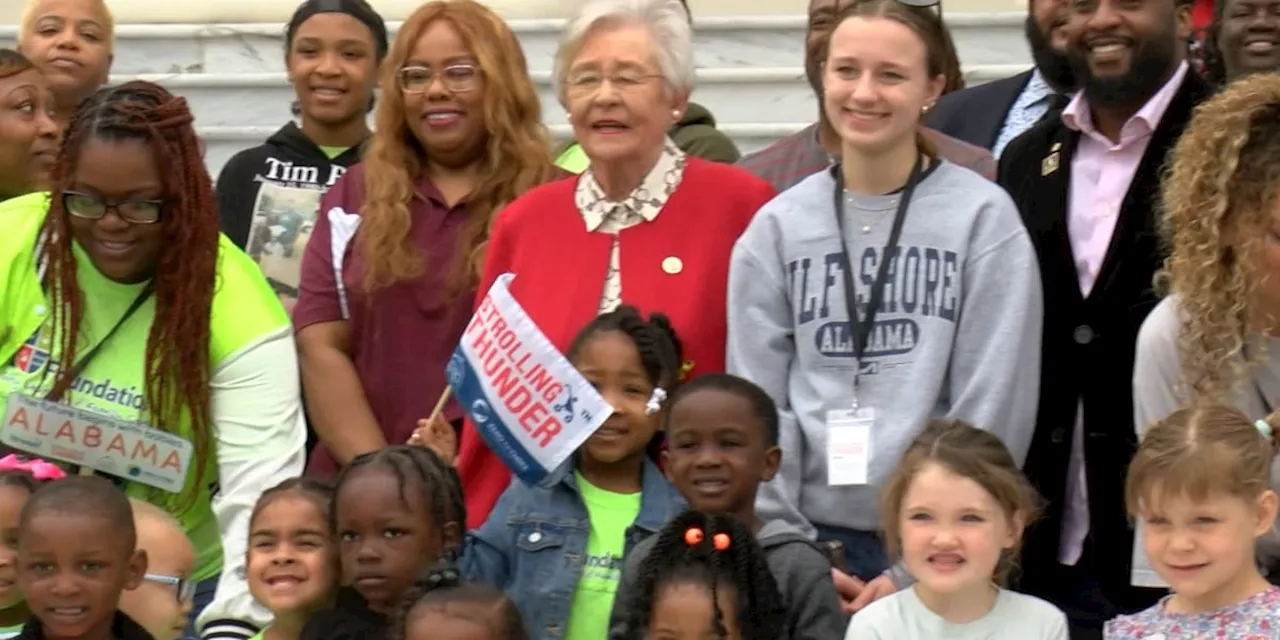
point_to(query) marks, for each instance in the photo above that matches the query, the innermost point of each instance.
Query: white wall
(202, 11)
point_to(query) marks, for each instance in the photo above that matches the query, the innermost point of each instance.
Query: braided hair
(442, 587)
(177, 352)
(688, 550)
(420, 468)
(661, 352)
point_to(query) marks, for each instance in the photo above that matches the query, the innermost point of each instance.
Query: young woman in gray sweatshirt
(953, 329)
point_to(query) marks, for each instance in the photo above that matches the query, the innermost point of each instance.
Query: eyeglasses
(93, 208)
(185, 589)
(588, 82)
(458, 78)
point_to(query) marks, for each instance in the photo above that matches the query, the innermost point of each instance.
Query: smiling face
(73, 570)
(876, 84)
(1203, 548)
(1249, 38)
(333, 68)
(70, 40)
(1123, 51)
(292, 563)
(28, 135)
(444, 88)
(386, 534)
(953, 531)
(124, 173)
(619, 104)
(155, 605)
(611, 362)
(716, 453)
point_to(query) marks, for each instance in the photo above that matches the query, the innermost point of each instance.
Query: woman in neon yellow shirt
(138, 343)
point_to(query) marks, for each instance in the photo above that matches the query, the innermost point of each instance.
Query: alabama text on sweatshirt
(957, 333)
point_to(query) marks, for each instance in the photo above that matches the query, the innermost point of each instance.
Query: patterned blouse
(642, 205)
(1257, 618)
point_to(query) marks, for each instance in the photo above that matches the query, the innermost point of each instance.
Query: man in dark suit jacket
(1087, 185)
(990, 115)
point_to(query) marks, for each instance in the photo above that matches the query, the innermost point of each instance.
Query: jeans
(205, 591)
(864, 551)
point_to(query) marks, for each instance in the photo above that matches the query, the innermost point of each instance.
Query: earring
(568, 116)
(675, 113)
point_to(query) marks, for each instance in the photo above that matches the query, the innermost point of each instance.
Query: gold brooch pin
(1050, 162)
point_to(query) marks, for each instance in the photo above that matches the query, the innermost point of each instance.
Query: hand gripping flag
(526, 400)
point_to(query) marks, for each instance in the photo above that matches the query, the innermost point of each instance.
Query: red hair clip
(720, 541)
(693, 537)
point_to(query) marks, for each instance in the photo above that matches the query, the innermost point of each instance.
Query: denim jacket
(534, 543)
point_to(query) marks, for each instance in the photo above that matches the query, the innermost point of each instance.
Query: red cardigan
(560, 269)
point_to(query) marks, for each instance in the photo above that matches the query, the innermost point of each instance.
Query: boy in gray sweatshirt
(722, 438)
(956, 334)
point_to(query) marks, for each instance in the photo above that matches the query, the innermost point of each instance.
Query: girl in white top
(955, 510)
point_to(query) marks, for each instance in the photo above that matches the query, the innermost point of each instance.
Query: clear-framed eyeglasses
(585, 83)
(457, 78)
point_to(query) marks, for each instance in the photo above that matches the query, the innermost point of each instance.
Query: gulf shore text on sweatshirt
(957, 333)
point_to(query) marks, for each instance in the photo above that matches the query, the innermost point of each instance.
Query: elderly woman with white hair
(645, 225)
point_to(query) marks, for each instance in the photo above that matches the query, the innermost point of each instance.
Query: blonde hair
(517, 156)
(968, 452)
(144, 512)
(1200, 451)
(1219, 196)
(28, 20)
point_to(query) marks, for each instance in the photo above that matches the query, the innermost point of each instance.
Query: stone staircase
(750, 71)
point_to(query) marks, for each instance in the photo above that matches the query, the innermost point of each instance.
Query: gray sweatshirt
(957, 334)
(802, 571)
(1157, 381)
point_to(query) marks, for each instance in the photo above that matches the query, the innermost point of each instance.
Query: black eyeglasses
(89, 207)
(184, 589)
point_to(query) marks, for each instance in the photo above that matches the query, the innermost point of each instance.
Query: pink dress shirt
(1101, 172)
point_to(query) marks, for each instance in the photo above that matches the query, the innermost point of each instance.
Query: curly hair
(1219, 193)
(681, 557)
(177, 352)
(517, 156)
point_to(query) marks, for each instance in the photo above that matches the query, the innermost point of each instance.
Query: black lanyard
(88, 356)
(860, 329)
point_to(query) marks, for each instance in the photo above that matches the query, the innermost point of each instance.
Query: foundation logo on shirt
(922, 285)
(35, 353)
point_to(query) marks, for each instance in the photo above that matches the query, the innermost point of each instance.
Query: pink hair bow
(39, 469)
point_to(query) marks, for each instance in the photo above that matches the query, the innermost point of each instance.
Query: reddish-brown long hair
(177, 358)
(517, 156)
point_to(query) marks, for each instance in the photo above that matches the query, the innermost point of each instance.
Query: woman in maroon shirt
(390, 270)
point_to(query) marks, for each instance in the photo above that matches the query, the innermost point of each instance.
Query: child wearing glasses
(162, 603)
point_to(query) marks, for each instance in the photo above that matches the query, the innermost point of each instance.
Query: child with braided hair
(442, 607)
(396, 512)
(706, 577)
(124, 304)
(602, 502)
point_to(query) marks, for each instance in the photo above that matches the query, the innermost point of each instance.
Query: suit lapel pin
(1050, 162)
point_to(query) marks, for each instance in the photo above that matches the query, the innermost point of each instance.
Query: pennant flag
(526, 400)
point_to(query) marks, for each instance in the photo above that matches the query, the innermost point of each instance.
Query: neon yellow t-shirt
(331, 153)
(610, 514)
(10, 632)
(574, 159)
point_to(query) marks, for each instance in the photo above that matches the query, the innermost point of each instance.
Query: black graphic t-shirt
(268, 199)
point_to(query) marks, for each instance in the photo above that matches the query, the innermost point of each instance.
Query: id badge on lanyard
(850, 430)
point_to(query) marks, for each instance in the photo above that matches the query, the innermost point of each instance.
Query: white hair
(667, 20)
(144, 511)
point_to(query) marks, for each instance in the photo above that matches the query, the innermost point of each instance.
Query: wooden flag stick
(444, 397)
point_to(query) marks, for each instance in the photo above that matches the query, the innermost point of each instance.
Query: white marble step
(722, 42)
(750, 73)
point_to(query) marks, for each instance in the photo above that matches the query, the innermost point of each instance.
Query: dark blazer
(1088, 349)
(976, 115)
